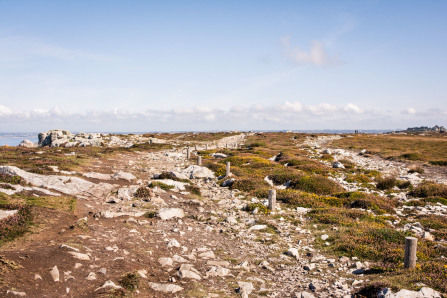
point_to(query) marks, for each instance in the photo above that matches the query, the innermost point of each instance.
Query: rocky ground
(175, 243)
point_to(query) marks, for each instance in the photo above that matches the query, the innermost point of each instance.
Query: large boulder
(27, 144)
(54, 138)
(198, 172)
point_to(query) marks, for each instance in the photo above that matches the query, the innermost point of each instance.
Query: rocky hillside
(149, 222)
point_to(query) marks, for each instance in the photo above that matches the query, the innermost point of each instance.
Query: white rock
(124, 176)
(80, 256)
(324, 237)
(198, 172)
(293, 252)
(173, 243)
(166, 288)
(258, 227)
(91, 276)
(54, 272)
(165, 262)
(207, 255)
(108, 284)
(188, 271)
(16, 293)
(168, 213)
(218, 271)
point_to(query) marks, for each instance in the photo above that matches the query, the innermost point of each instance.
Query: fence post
(199, 160)
(188, 153)
(410, 252)
(272, 199)
(228, 172)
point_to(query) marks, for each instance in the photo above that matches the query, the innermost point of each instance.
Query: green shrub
(316, 184)
(385, 183)
(260, 207)
(130, 281)
(194, 190)
(161, 185)
(411, 156)
(439, 162)
(143, 192)
(11, 179)
(249, 185)
(429, 189)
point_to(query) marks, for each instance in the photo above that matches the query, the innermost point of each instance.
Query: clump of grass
(150, 214)
(384, 183)
(359, 178)
(316, 184)
(438, 162)
(256, 144)
(130, 281)
(411, 156)
(401, 184)
(429, 189)
(143, 192)
(194, 190)
(11, 179)
(14, 226)
(416, 169)
(347, 163)
(327, 157)
(171, 176)
(161, 185)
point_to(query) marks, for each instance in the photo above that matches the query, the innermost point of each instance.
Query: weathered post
(228, 172)
(206, 146)
(188, 153)
(195, 147)
(199, 160)
(226, 145)
(272, 199)
(410, 252)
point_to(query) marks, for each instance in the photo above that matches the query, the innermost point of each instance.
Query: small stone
(91, 276)
(55, 273)
(166, 288)
(293, 252)
(324, 237)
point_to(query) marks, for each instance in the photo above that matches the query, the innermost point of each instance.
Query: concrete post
(199, 160)
(272, 199)
(410, 252)
(228, 173)
(188, 153)
(195, 147)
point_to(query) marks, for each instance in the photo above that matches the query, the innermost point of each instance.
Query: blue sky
(221, 65)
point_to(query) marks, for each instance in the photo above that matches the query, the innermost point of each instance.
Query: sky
(110, 65)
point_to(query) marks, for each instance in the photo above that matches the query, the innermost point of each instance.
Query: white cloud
(315, 56)
(4, 111)
(352, 108)
(287, 115)
(409, 111)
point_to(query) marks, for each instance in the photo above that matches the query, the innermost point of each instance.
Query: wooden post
(226, 145)
(199, 160)
(410, 252)
(188, 153)
(228, 173)
(206, 146)
(272, 199)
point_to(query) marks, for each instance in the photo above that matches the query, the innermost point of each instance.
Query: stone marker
(188, 153)
(228, 173)
(410, 252)
(199, 160)
(272, 199)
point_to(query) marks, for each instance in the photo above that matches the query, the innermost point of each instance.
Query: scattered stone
(245, 288)
(168, 213)
(293, 252)
(166, 288)
(54, 272)
(15, 293)
(188, 271)
(79, 256)
(91, 276)
(165, 262)
(109, 284)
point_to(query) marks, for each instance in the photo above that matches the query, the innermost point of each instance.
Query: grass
(161, 185)
(429, 189)
(143, 192)
(130, 281)
(385, 183)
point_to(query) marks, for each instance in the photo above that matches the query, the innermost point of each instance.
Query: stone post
(195, 147)
(199, 160)
(410, 252)
(206, 146)
(228, 173)
(272, 199)
(188, 153)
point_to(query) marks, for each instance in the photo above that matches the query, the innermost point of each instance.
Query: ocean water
(13, 139)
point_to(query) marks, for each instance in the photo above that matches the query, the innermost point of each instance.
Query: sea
(14, 139)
